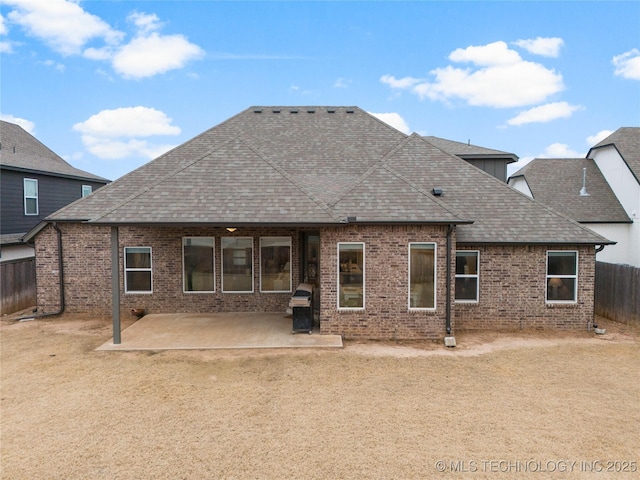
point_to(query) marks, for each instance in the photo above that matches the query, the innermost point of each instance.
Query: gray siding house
(35, 182)
(400, 238)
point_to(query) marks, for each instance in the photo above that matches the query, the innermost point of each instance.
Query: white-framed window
(237, 264)
(467, 276)
(30, 196)
(275, 264)
(198, 264)
(86, 190)
(138, 273)
(351, 275)
(422, 276)
(562, 276)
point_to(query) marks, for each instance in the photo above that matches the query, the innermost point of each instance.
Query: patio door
(311, 267)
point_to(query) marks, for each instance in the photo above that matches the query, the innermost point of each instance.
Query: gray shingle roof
(627, 141)
(21, 150)
(467, 150)
(320, 165)
(557, 183)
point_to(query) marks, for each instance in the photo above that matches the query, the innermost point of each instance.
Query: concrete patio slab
(195, 331)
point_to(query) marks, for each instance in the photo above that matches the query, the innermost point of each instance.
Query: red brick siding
(386, 313)
(512, 280)
(513, 291)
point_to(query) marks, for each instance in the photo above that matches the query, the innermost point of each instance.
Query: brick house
(400, 238)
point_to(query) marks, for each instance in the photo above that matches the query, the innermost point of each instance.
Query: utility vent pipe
(583, 190)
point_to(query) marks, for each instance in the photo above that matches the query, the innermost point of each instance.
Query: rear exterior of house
(400, 238)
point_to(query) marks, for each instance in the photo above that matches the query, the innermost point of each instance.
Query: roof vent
(257, 111)
(331, 110)
(293, 111)
(276, 111)
(583, 190)
(351, 219)
(311, 111)
(437, 192)
(350, 111)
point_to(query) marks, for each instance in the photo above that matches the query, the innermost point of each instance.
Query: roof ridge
(289, 178)
(369, 171)
(162, 179)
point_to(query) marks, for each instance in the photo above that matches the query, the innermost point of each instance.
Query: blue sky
(109, 85)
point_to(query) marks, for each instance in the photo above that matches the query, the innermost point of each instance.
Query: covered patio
(210, 331)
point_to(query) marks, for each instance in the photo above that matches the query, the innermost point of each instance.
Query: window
(422, 275)
(30, 196)
(467, 280)
(86, 190)
(137, 270)
(198, 258)
(562, 276)
(351, 275)
(275, 264)
(237, 264)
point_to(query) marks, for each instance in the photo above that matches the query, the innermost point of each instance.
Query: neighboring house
(35, 182)
(400, 238)
(489, 160)
(601, 191)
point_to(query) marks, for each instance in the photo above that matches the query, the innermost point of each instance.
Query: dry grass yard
(509, 405)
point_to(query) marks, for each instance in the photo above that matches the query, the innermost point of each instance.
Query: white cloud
(115, 134)
(3, 26)
(401, 83)
(150, 55)
(28, 125)
(61, 24)
(502, 79)
(627, 65)
(496, 53)
(393, 119)
(544, 113)
(55, 65)
(598, 137)
(547, 47)
(128, 122)
(560, 150)
(342, 83)
(112, 149)
(69, 30)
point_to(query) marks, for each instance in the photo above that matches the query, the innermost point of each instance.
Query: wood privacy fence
(617, 292)
(17, 285)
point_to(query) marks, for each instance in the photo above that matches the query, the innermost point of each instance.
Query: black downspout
(61, 281)
(449, 232)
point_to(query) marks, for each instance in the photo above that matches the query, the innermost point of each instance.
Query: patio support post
(115, 285)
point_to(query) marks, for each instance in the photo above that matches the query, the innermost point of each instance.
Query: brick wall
(512, 280)
(387, 282)
(513, 291)
(87, 270)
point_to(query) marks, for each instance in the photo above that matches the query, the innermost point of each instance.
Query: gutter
(60, 310)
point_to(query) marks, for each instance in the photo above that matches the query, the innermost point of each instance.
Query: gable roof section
(627, 141)
(19, 150)
(469, 151)
(500, 214)
(320, 165)
(557, 182)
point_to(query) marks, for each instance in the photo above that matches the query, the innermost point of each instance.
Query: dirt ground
(499, 405)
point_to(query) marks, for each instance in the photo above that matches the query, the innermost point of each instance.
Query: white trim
(25, 197)
(150, 270)
(364, 290)
(435, 278)
(222, 241)
(290, 263)
(213, 250)
(575, 277)
(89, 187)
(463, 275)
